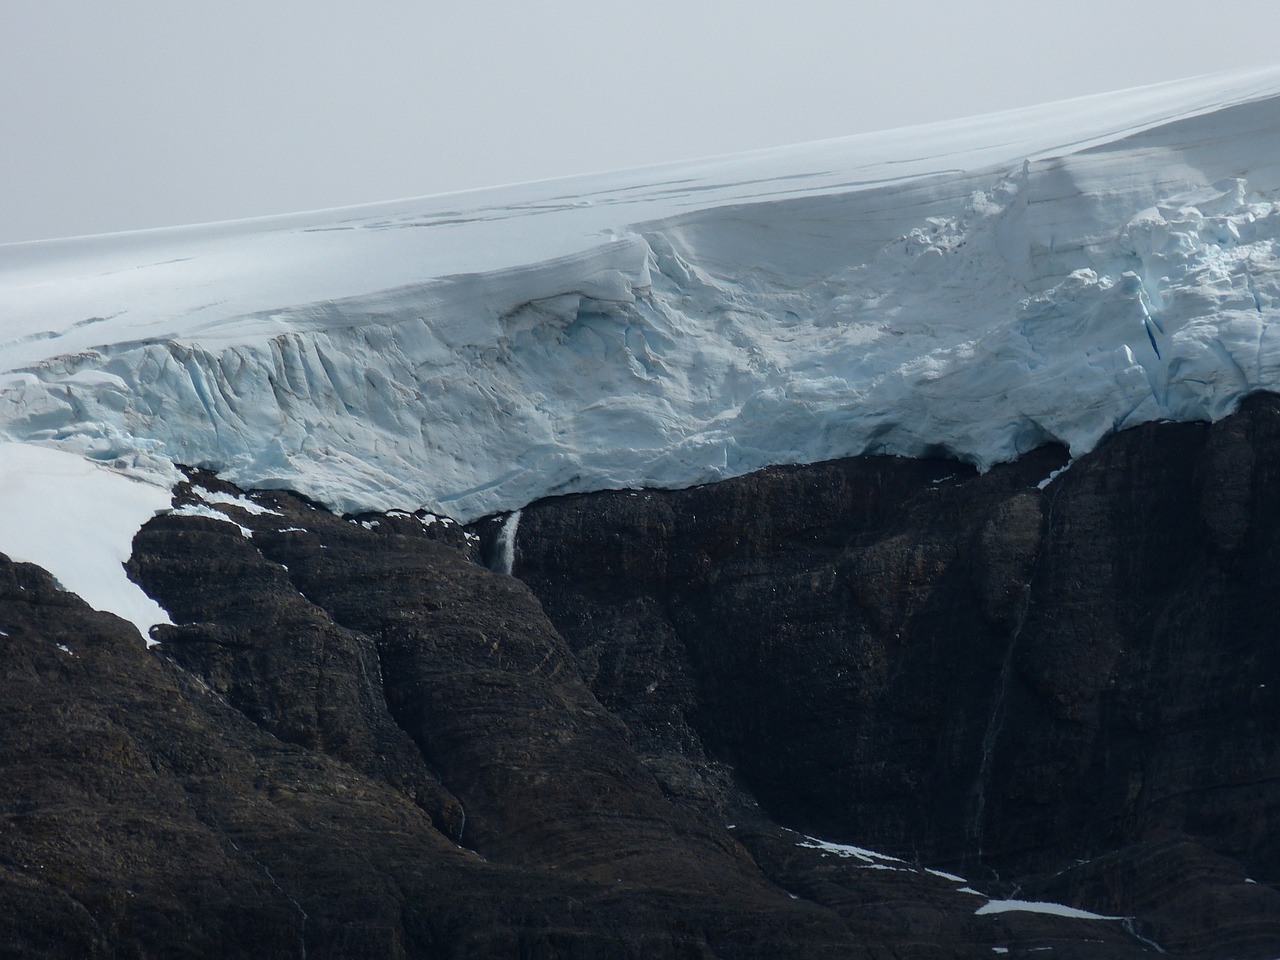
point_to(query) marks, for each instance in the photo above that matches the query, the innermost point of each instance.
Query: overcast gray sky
(137, 113)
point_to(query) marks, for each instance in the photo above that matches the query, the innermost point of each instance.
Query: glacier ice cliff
(973, 289)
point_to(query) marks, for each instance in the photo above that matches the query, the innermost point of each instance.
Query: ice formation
(974, 288)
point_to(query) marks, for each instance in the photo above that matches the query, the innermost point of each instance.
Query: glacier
(974, 289)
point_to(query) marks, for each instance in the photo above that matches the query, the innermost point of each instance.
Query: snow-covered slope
(976, 287)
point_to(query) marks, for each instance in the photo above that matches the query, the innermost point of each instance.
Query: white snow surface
(871, 860)
(848, 851)
(210, 513)
(976, 288)
(231, 500)
(77, 520)
(1039, 906)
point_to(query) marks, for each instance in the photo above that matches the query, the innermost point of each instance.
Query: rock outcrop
(358, 740)
(1064, 687)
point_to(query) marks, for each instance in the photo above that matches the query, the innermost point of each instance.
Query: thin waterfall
(505, 548)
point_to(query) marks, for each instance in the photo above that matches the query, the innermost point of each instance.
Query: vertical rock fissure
(995, 720)
(302, 927)
(376, 691)
(1130, 928)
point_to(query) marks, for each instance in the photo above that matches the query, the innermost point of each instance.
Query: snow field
(77, 520)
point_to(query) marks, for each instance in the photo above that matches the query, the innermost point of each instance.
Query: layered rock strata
(358, 740)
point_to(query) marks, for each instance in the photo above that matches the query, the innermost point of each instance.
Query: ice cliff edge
(977, 288)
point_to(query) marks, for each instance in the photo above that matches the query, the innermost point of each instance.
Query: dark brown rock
(359, 741)
(985, 672)
(248, 634)
(146, 816)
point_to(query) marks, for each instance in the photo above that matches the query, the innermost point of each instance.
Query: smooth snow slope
(976, 287)
(77, 519)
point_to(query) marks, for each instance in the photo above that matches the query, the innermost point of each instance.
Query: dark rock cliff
(359, 741)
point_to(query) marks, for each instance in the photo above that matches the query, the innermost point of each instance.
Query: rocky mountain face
(680, 728)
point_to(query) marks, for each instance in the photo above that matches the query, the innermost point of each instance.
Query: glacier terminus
(974, 289)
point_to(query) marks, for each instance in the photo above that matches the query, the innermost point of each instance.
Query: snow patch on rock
(209, 513)
(77, 520)
(1038, 906)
